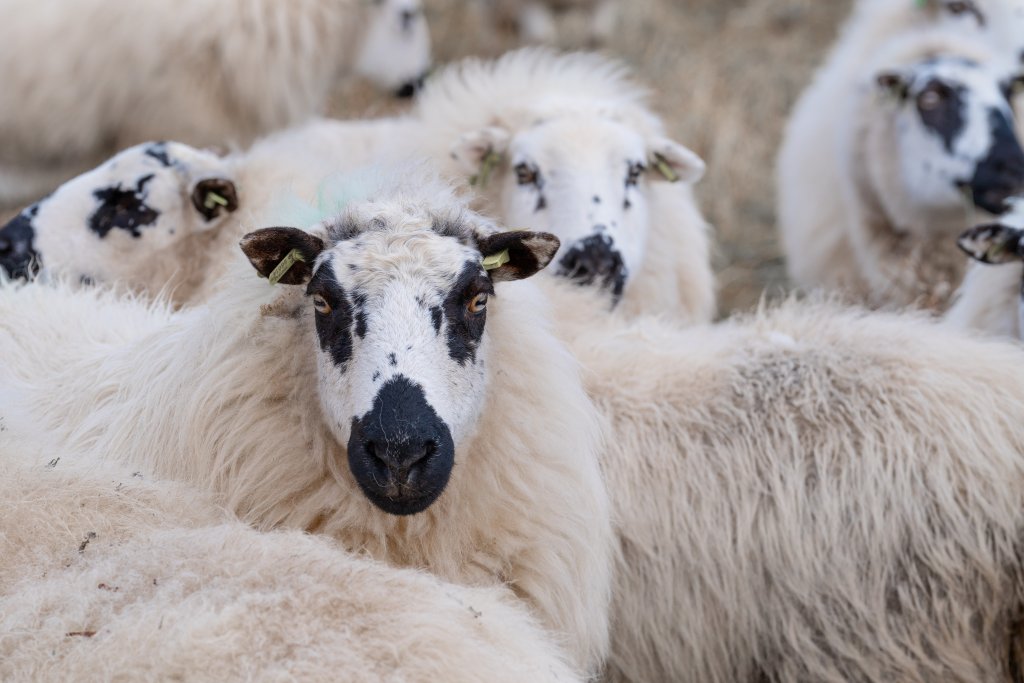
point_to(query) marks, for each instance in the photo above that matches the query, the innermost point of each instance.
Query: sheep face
(585, 178)
(115, 222)
(399, 302)
(395, 53)
(999, 243)
(950, 127)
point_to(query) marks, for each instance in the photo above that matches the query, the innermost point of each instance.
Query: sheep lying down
(108, 575)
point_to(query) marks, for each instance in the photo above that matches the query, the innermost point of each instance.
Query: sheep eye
(477, 304)
(526, 174)
(959, 7)
(321, 305)
(636, 169)
(930, 100)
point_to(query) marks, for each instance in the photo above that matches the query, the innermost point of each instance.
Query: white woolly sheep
(536, 19)
(206, 73)
(809, 494)
(340, 406)
(558, 143)
(991, 298)
(925, 123)
(105, 575)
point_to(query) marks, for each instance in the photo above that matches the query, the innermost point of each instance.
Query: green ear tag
(921, 3)
(213, 199)
(496, 260)
(489, 163)
(284, 266)
(664, 169)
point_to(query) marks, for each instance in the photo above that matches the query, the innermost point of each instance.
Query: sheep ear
(516, 255)
(283, 255)
(214, 197)
(673, 162)
(479, 152)
(992, 243)
(894, 84)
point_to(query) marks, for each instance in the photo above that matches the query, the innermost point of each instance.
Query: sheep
(535, 19)
(933, 125)
(808, 493)
(206, 73)
(341, 406)
(990, 298)
(626, 230)
(104, 574)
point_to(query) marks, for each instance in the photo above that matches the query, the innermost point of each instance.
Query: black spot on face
(941, 108)
(334, 329)
(18, 257)
(436, 315)
(594, 261)
(597, 200)
(123, 209)
(465, 329)
(1000, 174)
(542, 203)
(392, 360)
(158, 151)
(359, 309)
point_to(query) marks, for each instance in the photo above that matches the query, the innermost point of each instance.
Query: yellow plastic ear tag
(664, 169)
(487, 166)
(214, 199)
(496, 260)
(284, 266)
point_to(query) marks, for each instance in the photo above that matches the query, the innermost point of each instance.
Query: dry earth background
(724, 75)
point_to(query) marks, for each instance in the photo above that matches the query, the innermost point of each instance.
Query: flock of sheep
(440, 396)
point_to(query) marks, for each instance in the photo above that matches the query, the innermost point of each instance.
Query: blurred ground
(724, 73)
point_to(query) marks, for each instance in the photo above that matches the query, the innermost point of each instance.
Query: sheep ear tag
(665, 169)
(487, 166)
(285, 265)
(495, 260)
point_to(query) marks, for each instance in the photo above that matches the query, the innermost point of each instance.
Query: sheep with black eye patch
(169, 586)
(928, 137)
(335, 401)
(198, 72)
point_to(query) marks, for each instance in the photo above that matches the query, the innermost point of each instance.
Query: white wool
(106, 574)
(837, 230)
(224, 396)
(195, 71)
(808, 493)
(536, 19)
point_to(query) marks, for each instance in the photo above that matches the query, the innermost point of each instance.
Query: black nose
(400, 452)
(1000, 175)
(18, 258)
(411, 88)
(594, 261)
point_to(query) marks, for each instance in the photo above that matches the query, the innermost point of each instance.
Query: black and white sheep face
(107, 224)
(400, 305)
(587, 179)
(395, 52)
(954, 135)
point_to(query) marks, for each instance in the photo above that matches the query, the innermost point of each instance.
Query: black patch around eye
(334, 329)
(464, 330)
(123, 209)
(158, 150)
(947, 119)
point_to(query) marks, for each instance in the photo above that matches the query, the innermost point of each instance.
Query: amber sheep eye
(526, 174)
(321, 305)
(477, 304)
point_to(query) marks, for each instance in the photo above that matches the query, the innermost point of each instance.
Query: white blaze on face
(395, 51)
(102, 225)
(395, 305)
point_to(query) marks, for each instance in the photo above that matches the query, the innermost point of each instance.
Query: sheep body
(104, 573)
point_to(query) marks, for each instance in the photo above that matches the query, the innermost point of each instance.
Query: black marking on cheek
(123, 209)
(359, 308)
(947, 119)
(597, 200)
(436, 315)
(626, 204)
(158, 150)
(542, 203)
(464, 330)
(334, 329)
(392, 360)
(376, 376)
